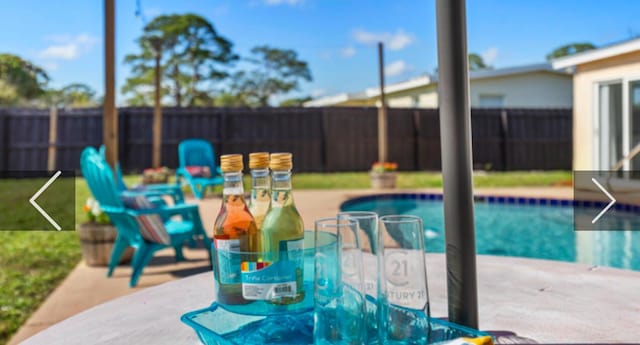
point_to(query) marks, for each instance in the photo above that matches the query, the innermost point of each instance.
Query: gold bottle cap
(281, 161)
(231, 163)
(259, 160)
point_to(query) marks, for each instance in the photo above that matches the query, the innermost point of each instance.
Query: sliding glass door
(617, 124)
(634, 109)
(610, 115)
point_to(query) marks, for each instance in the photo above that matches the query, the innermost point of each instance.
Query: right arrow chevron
(613, 200)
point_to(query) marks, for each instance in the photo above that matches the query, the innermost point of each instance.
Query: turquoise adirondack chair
(171, 190)
(197, 153)
(127, 220)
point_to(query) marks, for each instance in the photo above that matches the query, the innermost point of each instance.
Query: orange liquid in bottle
(235, 231)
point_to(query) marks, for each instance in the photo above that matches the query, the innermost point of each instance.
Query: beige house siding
(586, 78)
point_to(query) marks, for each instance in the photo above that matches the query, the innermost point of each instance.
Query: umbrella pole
(455, 136)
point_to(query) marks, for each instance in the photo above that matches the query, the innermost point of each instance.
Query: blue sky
(336, 37)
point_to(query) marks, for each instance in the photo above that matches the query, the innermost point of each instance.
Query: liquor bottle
(283, 234)
(235, 231)
(260, 188)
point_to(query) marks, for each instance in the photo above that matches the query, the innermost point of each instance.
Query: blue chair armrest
(162, 187)
(147, 193)
(165, 211)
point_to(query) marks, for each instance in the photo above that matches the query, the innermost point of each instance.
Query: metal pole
(157, 114)
(109, 111)
(382, 111)
(455, 136)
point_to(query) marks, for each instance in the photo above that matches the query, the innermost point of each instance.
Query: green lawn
(33, 263)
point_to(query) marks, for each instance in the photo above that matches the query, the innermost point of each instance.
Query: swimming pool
(535, 228)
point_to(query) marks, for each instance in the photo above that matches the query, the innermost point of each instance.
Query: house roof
(597, 54)
(335, 99)
(427, 79)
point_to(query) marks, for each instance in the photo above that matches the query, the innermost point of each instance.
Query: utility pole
(382, 110)
(157, 109)
(109, 111)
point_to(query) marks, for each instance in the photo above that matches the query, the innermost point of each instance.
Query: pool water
(530, 231)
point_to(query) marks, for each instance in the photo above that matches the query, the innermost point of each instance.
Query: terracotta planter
(97, 241)
(383, 180)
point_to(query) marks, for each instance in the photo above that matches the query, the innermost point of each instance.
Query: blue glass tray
(217, 326)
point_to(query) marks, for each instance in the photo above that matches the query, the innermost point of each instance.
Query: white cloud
(490, 55)
(63, 52)
(392, 41)
(396, 68)
(348, 52)
(282, 2)
(66, 47)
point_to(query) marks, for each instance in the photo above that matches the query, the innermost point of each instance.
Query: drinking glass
(339, 314)
(368, 234)
(403, 299)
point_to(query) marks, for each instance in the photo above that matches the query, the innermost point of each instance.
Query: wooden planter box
(383, 180)
(97, 241)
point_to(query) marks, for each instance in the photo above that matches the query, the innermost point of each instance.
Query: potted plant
(383, 175)
(97, 236)
(155, 175)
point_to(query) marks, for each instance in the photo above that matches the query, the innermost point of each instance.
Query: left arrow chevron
(32, 200)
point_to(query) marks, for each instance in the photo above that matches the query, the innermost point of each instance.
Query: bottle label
(273, 280)
(228, 258)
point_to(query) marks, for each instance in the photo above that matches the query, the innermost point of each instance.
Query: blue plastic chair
(172, 190)
(100, 179)
(197, 152)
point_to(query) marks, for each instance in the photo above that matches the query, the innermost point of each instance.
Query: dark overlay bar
(58, 200)
(606, 200)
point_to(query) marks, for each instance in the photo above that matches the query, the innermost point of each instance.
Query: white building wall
(530, 90)
(539, 89)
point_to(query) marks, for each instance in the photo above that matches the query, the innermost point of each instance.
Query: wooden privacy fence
(321, 139)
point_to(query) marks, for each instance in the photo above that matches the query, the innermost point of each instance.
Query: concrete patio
(533, 301)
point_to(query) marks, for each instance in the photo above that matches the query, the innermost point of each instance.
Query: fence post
(325, 140)
(504, 134)
(123, 135)
(53, 138)
(222, 132)
(416, 139)
(4, 140)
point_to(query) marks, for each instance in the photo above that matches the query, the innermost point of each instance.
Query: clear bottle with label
(235, 232)
(282, 235)
(260, 202)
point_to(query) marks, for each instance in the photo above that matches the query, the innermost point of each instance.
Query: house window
(491, 101)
